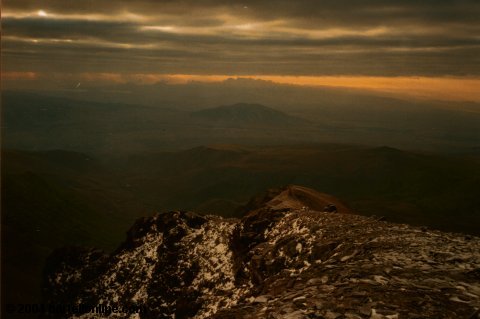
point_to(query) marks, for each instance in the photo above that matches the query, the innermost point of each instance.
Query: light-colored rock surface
(276, 263)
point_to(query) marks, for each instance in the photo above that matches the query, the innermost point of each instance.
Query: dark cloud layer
(327, 12)
(373, 37)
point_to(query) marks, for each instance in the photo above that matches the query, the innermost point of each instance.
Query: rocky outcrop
(294, 197)
(278, 261)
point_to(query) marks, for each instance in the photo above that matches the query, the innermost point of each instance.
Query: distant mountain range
(244, 115)
(38, 122)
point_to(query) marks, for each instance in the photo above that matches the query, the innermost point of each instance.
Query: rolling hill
(413, 187)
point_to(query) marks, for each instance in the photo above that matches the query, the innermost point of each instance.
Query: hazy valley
(204, 114)
(78, 172)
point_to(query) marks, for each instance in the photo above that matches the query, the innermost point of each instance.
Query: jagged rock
(261, 299)
(278, 261)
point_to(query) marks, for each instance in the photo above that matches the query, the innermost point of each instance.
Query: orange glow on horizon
(436, 88)
(431, 88)
(19, 75)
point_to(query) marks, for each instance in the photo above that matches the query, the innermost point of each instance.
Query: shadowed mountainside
(51, 199)
(413, 187)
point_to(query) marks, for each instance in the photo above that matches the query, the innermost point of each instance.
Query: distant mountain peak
(247, 114)
(387, 149)
(246, 106)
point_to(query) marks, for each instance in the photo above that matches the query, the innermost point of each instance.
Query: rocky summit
(296, 253)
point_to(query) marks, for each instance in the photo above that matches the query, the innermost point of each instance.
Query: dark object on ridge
(330, 208)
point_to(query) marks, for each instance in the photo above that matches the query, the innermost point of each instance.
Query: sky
(428, 48)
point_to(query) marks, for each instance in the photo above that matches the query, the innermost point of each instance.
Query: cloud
(338, 12)
(283, 37)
